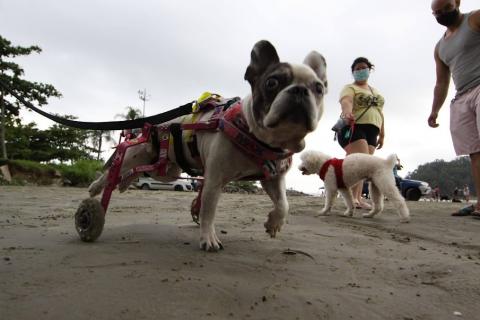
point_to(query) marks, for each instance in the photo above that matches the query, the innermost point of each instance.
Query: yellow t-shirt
(361, 100)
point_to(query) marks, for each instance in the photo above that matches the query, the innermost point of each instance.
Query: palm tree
(98, 136)
(131, 114)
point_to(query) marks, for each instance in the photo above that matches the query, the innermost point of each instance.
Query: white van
(147, 183)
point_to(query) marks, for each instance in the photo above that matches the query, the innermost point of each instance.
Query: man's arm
(474, 20)
(441, 88)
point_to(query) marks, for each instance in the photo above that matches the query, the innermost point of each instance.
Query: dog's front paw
(95, 188)
(348, 213)
(405, 220)
(274, 224)
(324, 212)
(371, 213)
(210, 242)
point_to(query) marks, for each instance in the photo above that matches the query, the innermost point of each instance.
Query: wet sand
(147, 264)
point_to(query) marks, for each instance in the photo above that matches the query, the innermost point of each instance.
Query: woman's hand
(380, 141)
(347, 107)
(349, 117)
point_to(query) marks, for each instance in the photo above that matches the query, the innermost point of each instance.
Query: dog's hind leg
(276, 190)
(377, 201)
(398, 202)
(136, 155)
(348, 199)
(97, 186)
(330, 196)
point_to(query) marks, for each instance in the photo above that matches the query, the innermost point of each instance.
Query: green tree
(445, 175)
(11, 73)
(97, 137)
(58, 142)
(68, 144)
(20, 139)
(131, 114)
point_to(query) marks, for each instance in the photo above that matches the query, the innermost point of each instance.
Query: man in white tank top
(457, 55)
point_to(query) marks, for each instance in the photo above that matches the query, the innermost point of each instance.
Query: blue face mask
(361, 75)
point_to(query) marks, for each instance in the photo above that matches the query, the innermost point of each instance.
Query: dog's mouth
(300, 119)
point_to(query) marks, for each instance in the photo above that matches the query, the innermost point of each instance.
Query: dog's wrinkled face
(287, 99)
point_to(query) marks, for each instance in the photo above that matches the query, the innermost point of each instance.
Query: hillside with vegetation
(447, 175)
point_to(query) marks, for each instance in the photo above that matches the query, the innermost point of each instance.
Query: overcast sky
(98, 54)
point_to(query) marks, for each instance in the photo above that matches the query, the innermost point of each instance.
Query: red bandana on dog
(337, 166)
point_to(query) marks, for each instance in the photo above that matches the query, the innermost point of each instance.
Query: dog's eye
(271, 84)
(319, 88)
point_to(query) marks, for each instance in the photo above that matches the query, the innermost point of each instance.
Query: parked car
(411, 190)
(147, 183)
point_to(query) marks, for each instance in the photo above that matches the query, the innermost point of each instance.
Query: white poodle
(341, 175)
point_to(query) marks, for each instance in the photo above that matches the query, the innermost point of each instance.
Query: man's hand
(432, 119)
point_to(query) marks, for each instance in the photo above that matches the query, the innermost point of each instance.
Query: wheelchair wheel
(89, 220)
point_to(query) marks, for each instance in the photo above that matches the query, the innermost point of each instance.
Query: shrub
(24, 171)
(81, 173)
(241, 186)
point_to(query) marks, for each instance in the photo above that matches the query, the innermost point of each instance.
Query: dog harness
(273, 161)
(226, 117)
(337, 166)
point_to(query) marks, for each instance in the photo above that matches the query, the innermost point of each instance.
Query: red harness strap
(233, 124)
(337, 166)
(272, 160)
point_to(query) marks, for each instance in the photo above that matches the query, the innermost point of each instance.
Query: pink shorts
(465, 122)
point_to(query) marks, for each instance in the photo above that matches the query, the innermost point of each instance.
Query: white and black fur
(285, 104)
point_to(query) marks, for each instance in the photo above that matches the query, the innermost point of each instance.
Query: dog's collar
(337, 166)
(234, 125)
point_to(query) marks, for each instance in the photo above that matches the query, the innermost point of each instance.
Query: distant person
(436, 193)
(466, 193)
(456, 195)
(362, 107)
(457, 54)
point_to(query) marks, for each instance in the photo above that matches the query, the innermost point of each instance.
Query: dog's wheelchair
(90, 216)
(226, 117)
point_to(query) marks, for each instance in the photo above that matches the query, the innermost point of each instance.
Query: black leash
(109, 125)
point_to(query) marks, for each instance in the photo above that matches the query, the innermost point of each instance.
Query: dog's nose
(299, 90)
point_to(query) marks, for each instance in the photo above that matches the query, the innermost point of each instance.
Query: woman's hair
(364, 60)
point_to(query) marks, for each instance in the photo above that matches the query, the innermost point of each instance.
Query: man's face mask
(448, 18)
(361, 75)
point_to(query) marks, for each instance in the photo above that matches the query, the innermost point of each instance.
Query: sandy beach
(147, 264)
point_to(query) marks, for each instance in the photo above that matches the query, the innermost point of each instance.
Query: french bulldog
(285, 104)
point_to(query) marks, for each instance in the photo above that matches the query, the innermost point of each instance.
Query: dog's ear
(262, 56)
(318, 64)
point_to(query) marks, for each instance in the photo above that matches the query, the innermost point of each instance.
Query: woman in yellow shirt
(362, 106)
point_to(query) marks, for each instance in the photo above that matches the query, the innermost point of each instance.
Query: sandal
(363, 205)
(466, 211)
(476, 213)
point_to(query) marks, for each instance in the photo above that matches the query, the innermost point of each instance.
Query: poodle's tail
(391, 160)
